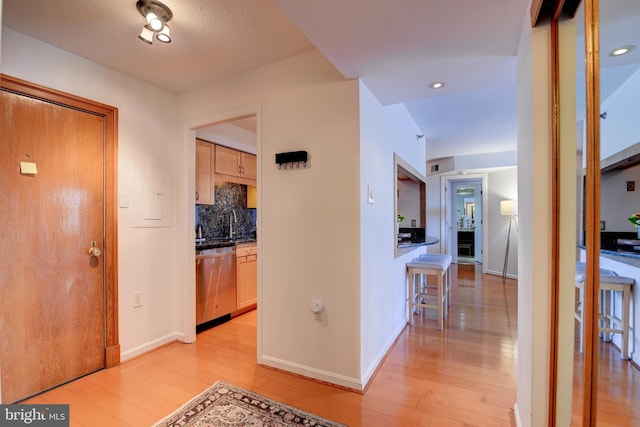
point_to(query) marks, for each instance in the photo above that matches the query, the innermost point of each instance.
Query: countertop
(429, 240)
(221, 243)
(630, 258)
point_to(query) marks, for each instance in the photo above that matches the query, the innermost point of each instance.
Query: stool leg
(449, 285)
(626, 302)
(441, 303)
(605, 313)
(445, 301)
(412, 291)
(407, 297)
(581, 316)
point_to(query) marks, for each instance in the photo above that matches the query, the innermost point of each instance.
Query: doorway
(223, 129)
(58, 315)
(464, 204)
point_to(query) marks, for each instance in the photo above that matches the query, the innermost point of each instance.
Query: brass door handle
(93, 251)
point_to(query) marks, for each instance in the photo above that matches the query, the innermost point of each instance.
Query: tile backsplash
(215, 218)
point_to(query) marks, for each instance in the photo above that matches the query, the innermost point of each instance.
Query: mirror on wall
(617, 364)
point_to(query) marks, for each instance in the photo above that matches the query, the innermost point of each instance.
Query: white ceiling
(396, 47)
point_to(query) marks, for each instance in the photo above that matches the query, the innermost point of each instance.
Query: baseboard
(382, 356)
(309, 372)
(516, 415)
(499, 273)
(151, 345)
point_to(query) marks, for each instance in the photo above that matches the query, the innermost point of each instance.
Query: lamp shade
(165, 35)
(509, 207)
(146, 35)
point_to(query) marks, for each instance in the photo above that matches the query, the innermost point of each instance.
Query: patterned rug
(227, 405)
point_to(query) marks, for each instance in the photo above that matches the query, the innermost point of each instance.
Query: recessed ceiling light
(436, 85)
(622, 50)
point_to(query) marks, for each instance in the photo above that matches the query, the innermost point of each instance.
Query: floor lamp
(508, 208)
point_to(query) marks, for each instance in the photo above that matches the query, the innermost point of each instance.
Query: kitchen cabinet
(205, 160)
(235, 166)
(252, 197)
(246, 275)
(466, 243)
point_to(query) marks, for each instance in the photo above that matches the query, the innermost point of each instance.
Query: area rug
(227, 405)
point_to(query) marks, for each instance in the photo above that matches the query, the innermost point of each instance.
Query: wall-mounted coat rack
(291, 158)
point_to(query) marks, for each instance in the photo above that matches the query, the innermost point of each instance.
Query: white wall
(147, 138)
(384, 130)
(486, 160)
(621, 129)
(616, 203)
(534, 224)
(502, 185)
(308, 218)
(409, 202)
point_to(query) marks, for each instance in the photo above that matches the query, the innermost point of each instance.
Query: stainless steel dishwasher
(215, 283)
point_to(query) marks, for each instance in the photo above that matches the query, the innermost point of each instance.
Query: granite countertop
(428, 240)
(410, 244)
(631, 258)
(221, 243)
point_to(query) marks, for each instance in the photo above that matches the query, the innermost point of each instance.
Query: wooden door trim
(555, 222)
(592, 210)
(110, 115)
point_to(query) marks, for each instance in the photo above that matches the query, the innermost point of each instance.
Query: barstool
(419, 296)
(608, 322)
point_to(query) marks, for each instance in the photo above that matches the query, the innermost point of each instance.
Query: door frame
(446, 215)
(190, 128)
(110, 116)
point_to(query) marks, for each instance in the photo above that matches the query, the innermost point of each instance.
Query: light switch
(28, 168)
(123, 200)
(370, 198)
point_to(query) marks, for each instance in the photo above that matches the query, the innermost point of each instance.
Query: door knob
(93, 251)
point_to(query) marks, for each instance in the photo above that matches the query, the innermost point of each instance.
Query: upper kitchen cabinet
(205, 160)
(235, 166)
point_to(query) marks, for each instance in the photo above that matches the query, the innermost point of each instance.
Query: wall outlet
(137, 299)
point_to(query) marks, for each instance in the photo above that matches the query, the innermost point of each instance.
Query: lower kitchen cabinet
(247, 275)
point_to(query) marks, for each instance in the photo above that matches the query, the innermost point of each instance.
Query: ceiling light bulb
(154, 22)
(621, 50)
(146, 35)
(436, 85)
(165, 35)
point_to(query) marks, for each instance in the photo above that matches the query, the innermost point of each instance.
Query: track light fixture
(157, 16)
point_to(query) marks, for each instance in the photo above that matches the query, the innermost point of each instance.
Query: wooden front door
(52, 290)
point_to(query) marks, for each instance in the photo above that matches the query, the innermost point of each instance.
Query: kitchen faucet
(232, 218)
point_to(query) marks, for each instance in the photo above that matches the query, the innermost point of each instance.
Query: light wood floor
(463, 376)
(618, 385)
